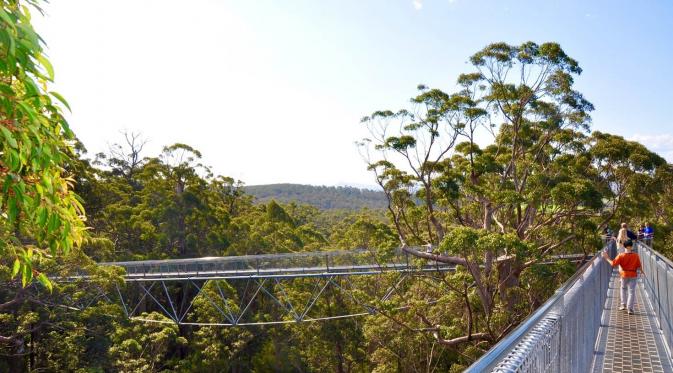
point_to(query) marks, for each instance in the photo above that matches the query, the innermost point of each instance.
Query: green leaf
(11, 55)
(54, 223)
(9, 137)
(26, 13)
(31, 88)
(28, 111)
(14, 161)
(42, 278)
(16, 267)
(61, 99)
(5, 17)
(4, 88)
(13, 211)
(42, 216)
(47, 66)
(26, 275)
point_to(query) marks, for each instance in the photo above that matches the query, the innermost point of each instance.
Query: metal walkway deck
(630, 343)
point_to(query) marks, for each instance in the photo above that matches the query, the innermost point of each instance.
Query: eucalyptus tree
(40, 217)
(127, 158)
(40, 213)
(418, 139)
(629, 174)
(497, 210)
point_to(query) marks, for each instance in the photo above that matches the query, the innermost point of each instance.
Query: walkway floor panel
(630, 343)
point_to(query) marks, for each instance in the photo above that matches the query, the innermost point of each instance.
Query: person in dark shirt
(632, 236)
(648, 234)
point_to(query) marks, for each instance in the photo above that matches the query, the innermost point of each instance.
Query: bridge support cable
(560, 335)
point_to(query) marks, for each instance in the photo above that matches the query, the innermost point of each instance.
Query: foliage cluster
(322, 197)
(542, 185)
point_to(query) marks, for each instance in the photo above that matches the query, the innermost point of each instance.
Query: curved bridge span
(287, 265)
(237, 289)
(292, 287)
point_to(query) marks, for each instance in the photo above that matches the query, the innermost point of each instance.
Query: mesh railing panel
(560, 335)
(658, 280)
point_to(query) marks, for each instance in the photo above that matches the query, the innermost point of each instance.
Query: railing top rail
(659, 255)
(502, 348)
(280, 256)
(241, 258)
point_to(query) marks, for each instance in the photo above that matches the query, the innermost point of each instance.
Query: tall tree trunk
(508, 278)
(17, 364)
(339, 356)
(431, 213)
(488, 255)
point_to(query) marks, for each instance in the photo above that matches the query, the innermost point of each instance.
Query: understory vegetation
(495, 177)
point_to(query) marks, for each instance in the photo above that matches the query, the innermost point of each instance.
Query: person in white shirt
(622, 236)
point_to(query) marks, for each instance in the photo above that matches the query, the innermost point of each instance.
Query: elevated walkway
(238, 286)
(630, 343)
(337, 263)
(581, 329)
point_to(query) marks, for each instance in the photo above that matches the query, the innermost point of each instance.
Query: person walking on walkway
(629, 263)
(648, 233)
(622, 235)
(641, 232)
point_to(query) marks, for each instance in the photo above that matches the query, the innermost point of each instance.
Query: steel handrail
(500, 351)
(658, 281)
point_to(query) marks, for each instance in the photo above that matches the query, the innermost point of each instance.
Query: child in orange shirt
(630, 264)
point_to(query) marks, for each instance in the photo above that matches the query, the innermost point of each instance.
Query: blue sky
(272, 91)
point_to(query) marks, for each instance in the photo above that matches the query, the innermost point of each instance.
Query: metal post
(658, 288)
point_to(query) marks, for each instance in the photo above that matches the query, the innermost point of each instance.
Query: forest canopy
(322, 197)
(544, 184)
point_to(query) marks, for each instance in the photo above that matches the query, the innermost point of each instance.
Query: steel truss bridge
(238, 286)
(286, 286)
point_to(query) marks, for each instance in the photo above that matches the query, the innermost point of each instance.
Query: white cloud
(418, 4)
(662, 144)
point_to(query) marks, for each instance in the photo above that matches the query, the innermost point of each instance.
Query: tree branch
(436, 257)
(18, 298)
(463, 339)
(547, 250)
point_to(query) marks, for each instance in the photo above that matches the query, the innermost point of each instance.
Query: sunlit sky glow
(273, 91)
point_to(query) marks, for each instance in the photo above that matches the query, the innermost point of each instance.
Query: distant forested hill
(322, 197)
